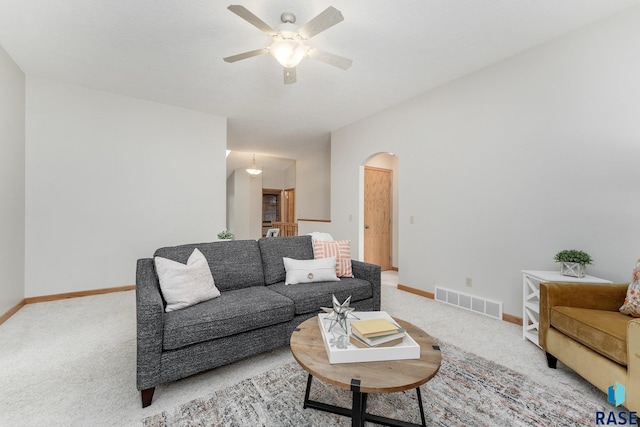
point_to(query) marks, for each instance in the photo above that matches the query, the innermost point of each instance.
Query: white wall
(503, 168)
(109, 179)
(273, 179)
(231, 203)
(255, 206)
(290, 177)
(245, 208)
(12, 182)
(313, 184)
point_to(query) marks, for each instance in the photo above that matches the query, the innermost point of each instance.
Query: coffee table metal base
(358, 411)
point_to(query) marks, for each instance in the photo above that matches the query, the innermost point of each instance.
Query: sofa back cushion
(273, 249)
(234, 264)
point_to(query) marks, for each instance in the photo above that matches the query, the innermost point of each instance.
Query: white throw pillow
(310, 270)
(184, 285)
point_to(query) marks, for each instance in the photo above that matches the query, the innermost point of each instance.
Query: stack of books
(378, 332)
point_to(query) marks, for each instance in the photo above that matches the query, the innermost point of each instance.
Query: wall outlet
(468, 282)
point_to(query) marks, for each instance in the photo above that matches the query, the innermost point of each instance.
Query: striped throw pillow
(341, 249)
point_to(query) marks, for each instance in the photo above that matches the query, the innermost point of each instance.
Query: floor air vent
(469, 302)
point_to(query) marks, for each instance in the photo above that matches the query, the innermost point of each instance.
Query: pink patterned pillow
(631, 304)
(341, 249)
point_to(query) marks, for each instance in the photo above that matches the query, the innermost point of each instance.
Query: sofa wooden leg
(552, 361)
(147, 396)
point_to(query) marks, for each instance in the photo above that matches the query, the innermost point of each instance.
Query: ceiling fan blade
(246, 55)
(252, 19)
(326, 19)
(330, 58)
(289, 75)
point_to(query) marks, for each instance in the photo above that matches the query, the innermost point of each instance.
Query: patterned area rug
(468, 390)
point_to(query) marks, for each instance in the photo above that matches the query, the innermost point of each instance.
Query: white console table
(531, 297)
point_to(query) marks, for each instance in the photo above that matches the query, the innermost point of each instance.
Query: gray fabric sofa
(256, 312)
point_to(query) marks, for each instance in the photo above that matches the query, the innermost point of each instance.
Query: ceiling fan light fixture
(288, 47)
(288, 52)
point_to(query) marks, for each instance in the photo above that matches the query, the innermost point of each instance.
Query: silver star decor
(339, 313)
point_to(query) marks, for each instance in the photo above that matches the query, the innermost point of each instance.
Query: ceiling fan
(289, 40)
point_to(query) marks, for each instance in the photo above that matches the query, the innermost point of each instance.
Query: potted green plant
(225, 235)
(573, 262)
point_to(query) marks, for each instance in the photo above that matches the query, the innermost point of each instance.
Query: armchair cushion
(603, 331)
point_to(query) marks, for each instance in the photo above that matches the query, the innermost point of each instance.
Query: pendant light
(253, 170)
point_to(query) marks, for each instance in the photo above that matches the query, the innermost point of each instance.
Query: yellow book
(374, 327)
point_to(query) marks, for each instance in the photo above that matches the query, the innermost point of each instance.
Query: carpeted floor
(73, 362)
(468, 390)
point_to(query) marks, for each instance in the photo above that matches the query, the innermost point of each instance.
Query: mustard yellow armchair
(580, 326)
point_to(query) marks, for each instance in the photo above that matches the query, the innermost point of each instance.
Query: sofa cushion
(309, 297)
(602, 331)
(234, 264)
(273, 249)
(231, 313)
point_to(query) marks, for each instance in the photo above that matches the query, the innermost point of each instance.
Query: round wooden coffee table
(364, 377)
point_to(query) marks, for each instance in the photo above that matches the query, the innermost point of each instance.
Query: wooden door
(288, 205)
(377, 216)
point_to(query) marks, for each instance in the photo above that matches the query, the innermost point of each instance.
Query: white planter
(572, 269)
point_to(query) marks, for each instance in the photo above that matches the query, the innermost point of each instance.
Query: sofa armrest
(371, 273)
(150, 320)
(583, 295)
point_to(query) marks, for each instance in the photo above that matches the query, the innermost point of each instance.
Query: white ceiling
(171, 51)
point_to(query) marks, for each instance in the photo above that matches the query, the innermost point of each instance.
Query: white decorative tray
(340, 350)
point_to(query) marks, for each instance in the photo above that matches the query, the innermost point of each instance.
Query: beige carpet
(72, 362)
